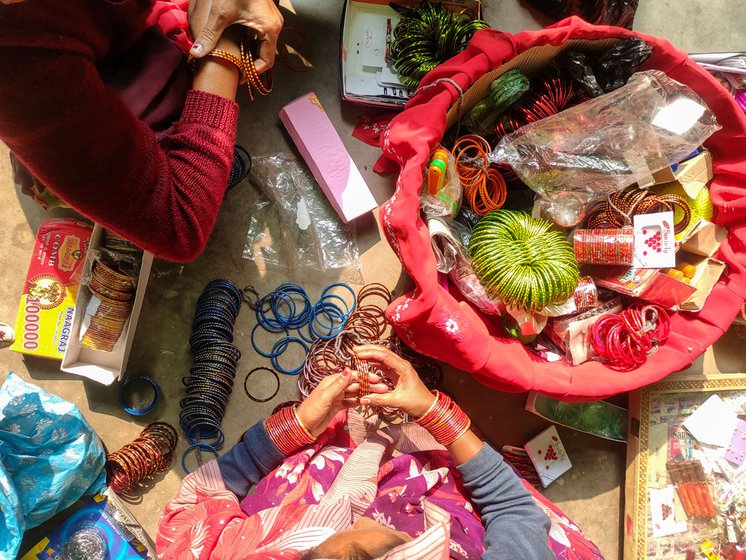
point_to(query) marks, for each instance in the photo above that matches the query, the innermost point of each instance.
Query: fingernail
(365, 401)
(196, 48)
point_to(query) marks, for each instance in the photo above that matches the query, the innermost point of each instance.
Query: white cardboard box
(104, 367)
(365, 77)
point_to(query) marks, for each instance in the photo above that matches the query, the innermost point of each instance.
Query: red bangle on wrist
(445, 420)
(287, 432)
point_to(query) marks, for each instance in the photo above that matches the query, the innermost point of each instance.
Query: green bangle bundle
(428, 35)
(522, 260)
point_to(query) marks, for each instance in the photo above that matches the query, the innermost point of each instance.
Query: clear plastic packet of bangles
(292, 224)
(120, 266)
(472, 289)
(571, 333)
(450, 240)
(608, 143)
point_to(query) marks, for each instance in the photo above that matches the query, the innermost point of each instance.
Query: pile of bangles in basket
(570, 212)
(325, 333)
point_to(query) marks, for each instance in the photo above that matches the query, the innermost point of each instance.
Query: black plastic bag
(603, 72)
(600, 12)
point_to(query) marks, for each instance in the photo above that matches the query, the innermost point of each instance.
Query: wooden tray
(665, 403)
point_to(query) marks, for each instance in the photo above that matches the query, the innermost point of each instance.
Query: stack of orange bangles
(484, 187)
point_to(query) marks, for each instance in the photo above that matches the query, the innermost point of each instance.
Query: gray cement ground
(591, 493)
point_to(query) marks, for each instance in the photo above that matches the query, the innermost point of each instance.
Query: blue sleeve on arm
(249, 460)
(514, 525)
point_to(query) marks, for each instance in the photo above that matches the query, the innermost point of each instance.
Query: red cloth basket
(440, 324)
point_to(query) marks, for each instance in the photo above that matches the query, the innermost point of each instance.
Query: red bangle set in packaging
(604, 246)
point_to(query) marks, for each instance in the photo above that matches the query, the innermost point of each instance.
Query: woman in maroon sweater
(68, 117)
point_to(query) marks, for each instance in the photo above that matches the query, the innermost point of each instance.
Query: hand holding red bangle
(410, 394)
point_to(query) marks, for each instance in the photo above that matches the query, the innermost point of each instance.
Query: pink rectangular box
(325, 154)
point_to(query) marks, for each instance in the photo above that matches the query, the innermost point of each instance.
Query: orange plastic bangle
(484, 187)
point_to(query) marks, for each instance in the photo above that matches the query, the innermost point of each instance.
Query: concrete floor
(590, 493)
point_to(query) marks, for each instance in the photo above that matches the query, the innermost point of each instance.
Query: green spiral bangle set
(426, 36)
(522, 260)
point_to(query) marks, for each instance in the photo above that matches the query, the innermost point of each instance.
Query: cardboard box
(47, 306)
(326, 156)
(693, 174)
(660, 288)
(676, 295)
(365, 76)
(531, 62)
(543, 406)
(704, 239)
(104, 367)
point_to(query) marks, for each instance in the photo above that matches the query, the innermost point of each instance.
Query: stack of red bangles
(445, 420)
(625, 339)
(604, 246)
(151, 453)
(287, 432)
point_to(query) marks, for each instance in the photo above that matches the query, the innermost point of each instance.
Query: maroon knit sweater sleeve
(83, 143)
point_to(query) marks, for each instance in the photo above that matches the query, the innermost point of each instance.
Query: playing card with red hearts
(662, 512)
(655, 245)
(548, 456)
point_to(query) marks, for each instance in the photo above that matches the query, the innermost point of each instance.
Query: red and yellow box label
(45, 314)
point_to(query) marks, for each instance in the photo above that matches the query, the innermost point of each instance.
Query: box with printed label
(45, 313)
(366, 74)
(99, 365)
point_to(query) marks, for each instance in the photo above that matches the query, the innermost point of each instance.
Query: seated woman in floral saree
(330, 483)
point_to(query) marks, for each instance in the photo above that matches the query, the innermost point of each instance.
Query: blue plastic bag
(49, 458)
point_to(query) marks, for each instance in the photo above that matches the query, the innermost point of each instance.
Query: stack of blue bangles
(209, 383)
(288, 308)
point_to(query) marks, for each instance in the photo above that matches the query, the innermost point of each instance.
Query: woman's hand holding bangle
(334, 393)
(410, 394)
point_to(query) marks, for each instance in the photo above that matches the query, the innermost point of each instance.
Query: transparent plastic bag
(293, 225)
(608, 143)
(450, 240)
(447, 201)
(469, 285)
